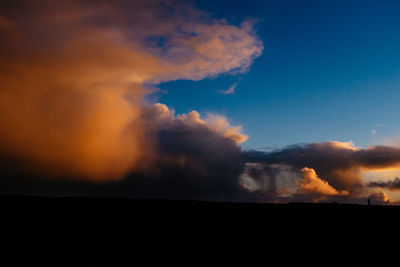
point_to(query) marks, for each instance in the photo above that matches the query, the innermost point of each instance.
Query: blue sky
(329, 71)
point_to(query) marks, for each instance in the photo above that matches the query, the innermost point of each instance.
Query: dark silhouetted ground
(110, 232)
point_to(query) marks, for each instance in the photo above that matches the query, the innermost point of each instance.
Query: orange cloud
(312, 184)
(72, 77)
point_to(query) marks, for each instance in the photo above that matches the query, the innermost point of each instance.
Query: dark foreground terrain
(110, 232)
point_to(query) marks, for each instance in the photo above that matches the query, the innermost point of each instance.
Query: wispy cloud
(230, 90)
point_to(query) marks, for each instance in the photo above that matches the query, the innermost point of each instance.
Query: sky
(329, 71)
(271, 101)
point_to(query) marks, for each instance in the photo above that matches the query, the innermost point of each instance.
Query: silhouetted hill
(102, 231)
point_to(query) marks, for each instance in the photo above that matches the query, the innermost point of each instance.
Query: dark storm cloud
(391, 185)
(337, 163)
(193, 160)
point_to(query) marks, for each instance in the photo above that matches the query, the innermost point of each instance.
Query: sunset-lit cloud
(72, 77)
(312, 184)
(160, 116)
(220, 125)
(342, 145)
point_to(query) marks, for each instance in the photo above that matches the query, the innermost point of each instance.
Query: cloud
(341, 164)
(391, 185)
(159, 116)
(190, 160)
(194, 159)
(220, 125)
(5, 23)
(379, 197)
(72, 76)
(373, 132)
(230, 90)
(312, 184)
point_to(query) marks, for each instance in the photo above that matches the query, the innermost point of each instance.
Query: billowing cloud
(72, 75)
(312, 184)
(159, 116)
(220, 125)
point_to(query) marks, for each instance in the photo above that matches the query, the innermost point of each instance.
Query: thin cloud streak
(229, 91)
